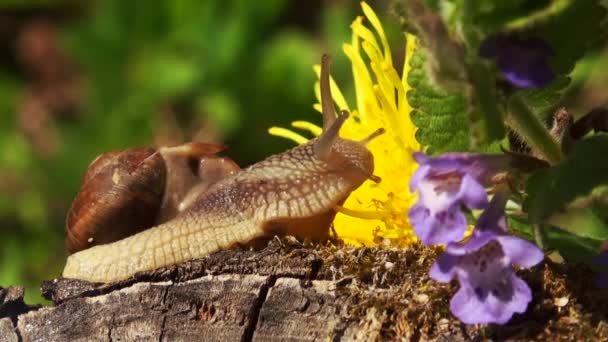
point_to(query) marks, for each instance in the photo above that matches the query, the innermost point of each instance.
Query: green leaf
(484, 114)
(492, 15)
(585, 168)
(570, 27)
(571, 31)
(582, 222)
(572, 247)
(600, 202)
(439, 115)
(542, 102)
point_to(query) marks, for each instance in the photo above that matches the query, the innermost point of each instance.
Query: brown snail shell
(125, 192)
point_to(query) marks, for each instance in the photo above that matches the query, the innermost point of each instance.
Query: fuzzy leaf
(439, 115)
(543, 101)
(486, 122)
(584, 169)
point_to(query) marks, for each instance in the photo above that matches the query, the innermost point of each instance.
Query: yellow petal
(287, 134)
(317, 107)
(365, 34)
(308, 126)
(376, 63)
(363, 81)
(373, 19)
(393, 78)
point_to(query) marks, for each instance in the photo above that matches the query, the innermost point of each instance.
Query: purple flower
(444, 185)
(601, 280)
(523, 61)
(490, 291)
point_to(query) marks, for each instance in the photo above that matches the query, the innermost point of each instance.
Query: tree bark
(288, 291)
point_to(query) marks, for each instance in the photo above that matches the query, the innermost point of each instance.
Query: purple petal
(418, 214)
(441, 228)
(418, 176)
(601, 280)
(520, 251)
(466, 306)
(474, 244)
(443, 270)
(438, 194)
(451, 161)
(535, 76)
(444, 185)
(421, 158)
(476, 305)
(491, 46)
(539, 46)
(601, 259)
(493, 218)
(522, 295)
(523, 61)
(472, 193)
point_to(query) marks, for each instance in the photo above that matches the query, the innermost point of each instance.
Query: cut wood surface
(288, 291)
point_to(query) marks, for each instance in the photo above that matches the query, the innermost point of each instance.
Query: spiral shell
(119, 191)
(125, 192)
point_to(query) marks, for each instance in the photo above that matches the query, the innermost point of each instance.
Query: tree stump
(291, 291)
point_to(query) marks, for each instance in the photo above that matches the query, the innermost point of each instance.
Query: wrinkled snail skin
(294, 192)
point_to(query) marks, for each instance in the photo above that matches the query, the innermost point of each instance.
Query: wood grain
(291, 292)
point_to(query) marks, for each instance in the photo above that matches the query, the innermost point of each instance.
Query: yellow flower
(374, 212)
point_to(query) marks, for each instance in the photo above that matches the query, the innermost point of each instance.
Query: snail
(125, 192)
(291, 193)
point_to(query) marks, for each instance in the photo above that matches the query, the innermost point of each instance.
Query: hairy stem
(532, 131)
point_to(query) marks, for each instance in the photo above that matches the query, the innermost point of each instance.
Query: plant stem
(539, 236)
(469, 7)
(532, 131)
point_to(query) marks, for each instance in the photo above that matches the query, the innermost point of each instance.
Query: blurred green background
(78, 78)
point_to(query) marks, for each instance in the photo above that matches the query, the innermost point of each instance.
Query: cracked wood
(287, 291)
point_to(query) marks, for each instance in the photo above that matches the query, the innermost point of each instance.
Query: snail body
(294, 192)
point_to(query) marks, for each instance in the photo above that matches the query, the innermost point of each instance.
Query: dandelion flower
(375, 212)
